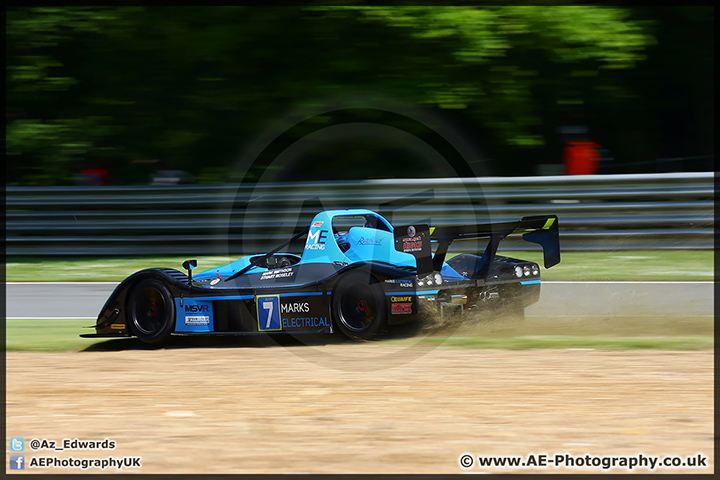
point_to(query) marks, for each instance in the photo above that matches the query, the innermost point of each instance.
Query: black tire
(359, 309)
(151, 312)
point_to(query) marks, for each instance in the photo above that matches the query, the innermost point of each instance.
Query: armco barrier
(600, 212)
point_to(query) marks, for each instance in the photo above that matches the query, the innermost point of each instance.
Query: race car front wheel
(151, 311)
(358, 306)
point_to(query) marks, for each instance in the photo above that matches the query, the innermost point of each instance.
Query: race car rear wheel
(151, 311)
(358, 306)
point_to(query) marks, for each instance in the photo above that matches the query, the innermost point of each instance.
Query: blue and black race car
(357, 274)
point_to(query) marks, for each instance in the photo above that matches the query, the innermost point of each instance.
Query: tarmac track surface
(361, 408)
(85, 299)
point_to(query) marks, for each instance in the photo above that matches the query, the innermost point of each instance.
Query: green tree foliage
(504, 59)
(46, 131)
(140, 88)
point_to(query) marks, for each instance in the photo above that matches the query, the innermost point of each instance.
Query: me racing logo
(316, 240)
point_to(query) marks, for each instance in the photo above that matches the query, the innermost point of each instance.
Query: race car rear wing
(415, 239)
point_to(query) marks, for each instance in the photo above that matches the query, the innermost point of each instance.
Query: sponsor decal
(417, 245)
(215, 281)
(117, 326)
(401, 308)
(197, 319)
(197, 308)
(401, 283)
(292, 312)
(370, 241)
(296, 307)
(401, 304)
(317, 223)
(412, 244)
(316, 240)
(278, 273)
(304, 322)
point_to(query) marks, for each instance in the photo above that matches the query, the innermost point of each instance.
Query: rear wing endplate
(415, 239)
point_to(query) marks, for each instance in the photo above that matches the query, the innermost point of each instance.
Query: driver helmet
(341, 239)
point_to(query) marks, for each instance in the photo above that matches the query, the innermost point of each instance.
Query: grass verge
(636, 265)
(43, 335)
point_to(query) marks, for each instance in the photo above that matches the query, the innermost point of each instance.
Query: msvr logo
(196, 308)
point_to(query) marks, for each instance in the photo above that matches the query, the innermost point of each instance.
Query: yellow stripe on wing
(549, 223)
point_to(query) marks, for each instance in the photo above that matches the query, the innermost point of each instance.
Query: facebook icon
(17, 462)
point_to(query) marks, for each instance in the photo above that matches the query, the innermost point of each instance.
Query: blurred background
(135, 95)
(201, 130)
